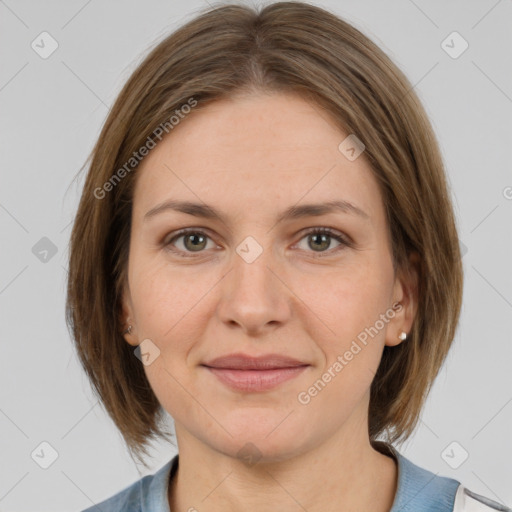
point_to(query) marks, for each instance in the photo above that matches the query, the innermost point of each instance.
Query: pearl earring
(403, 335)
(129, 330)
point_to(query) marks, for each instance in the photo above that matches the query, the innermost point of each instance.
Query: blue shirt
(418, 490)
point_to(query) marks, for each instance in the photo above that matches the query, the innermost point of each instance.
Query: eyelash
(321, 231)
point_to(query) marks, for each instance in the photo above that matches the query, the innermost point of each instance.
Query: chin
(258, 444)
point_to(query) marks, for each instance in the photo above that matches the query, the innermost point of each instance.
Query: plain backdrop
(52, 110)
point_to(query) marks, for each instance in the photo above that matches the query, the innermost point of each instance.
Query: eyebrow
(293, 212)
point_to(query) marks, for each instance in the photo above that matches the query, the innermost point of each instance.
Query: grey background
(51, 113)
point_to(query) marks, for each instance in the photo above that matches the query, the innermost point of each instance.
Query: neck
(347, 471)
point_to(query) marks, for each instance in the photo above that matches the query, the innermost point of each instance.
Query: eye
(194, 240)
(320, 240)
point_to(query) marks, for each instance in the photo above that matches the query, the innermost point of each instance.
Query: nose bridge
(253, 295)
(251, 262)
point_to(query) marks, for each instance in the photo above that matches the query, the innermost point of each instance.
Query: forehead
(258, 153)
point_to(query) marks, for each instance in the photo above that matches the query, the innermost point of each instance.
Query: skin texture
(251, 157)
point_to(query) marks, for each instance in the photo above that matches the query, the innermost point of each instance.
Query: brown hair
(286, 47)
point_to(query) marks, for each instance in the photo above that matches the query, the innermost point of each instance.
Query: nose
(254, 294)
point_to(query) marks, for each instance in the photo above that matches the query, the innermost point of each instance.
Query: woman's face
(258, 282)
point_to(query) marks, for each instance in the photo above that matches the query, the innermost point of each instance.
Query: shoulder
(468, 501)
(420, 490)
(149, 494)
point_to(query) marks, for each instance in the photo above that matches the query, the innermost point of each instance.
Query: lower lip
(255, 380)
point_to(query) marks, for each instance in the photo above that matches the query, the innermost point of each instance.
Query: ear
(126, 317)
(405, 292)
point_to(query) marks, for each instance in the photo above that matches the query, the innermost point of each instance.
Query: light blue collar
(420, 490)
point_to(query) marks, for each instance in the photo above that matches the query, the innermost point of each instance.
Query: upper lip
(241, 361)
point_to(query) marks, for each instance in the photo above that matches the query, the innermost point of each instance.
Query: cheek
(350, 304)
(349, 299)
(172, 309)
(348, 329)
(162, 298)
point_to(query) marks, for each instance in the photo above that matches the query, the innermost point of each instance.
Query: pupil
(324, 238)
(195, 244)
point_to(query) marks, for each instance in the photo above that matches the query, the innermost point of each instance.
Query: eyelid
(329, 231)
(185, 231)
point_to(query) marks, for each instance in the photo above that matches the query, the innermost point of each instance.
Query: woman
(266, 250)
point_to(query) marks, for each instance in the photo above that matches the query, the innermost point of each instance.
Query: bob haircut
(285, 47)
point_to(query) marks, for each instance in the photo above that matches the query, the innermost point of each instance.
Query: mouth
(243, 372)
(240, 361)
(251, 380)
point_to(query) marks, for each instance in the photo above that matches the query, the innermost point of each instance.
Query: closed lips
(244, 362)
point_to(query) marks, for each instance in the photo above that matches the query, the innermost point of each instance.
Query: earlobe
(394, 337)
(125, 322)
(128, 334)
(407, 292)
